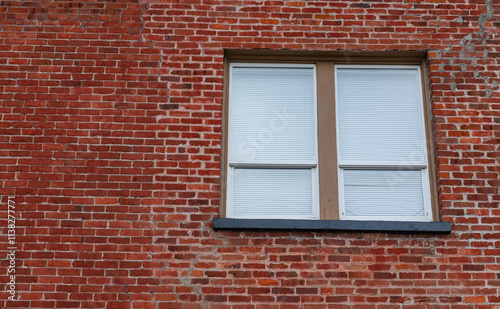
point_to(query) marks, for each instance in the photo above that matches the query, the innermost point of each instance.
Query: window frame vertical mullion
(327, 141)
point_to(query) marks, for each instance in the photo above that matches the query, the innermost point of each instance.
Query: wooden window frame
(326, 115)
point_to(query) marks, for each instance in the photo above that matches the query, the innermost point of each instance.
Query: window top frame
(339, 56)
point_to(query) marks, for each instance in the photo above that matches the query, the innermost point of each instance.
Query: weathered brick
(111, 142)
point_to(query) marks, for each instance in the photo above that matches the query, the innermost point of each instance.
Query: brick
(111, 142)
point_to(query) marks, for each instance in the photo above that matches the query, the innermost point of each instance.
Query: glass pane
(272, 114)
(272, 193)
(379, 115)
(383, 193)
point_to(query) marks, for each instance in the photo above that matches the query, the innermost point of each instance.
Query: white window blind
(272, 145)
(386, 193)
(272, 114)
(381, 145)
(275, 193)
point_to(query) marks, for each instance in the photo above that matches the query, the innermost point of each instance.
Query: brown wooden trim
(364, 60)
(224, 146)
(327, 159)
(336, 56)
(430, 142)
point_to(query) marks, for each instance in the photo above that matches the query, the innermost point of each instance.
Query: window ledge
(332, 225)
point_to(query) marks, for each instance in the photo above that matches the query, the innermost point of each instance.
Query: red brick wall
(110, 145)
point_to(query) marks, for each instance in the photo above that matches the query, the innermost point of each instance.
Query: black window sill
(332, 225)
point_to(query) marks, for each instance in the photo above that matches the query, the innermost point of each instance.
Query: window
(327, 140)
(272, 150)
(381, 153)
